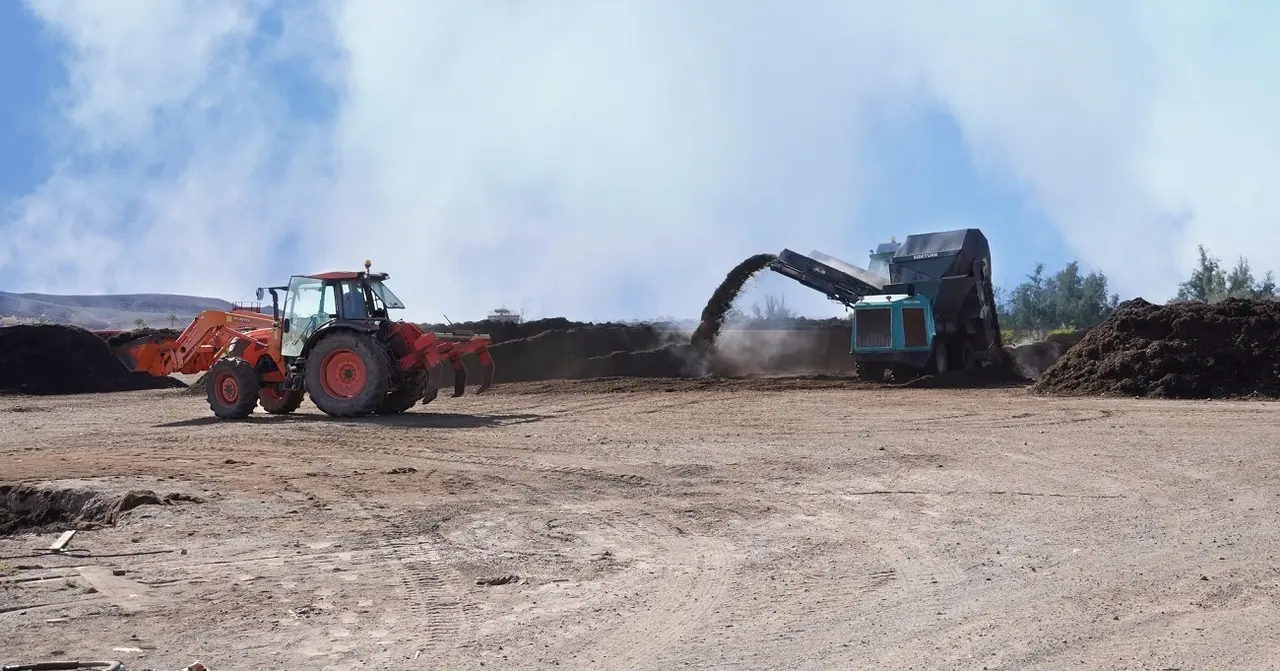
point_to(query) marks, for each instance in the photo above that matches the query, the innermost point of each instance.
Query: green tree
(1210, 282)
(1068, 299)
(173, 321)
(1095, 303)
(1267, 287)
(140, 322)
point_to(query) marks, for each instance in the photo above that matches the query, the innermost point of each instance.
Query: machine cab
(315, 301)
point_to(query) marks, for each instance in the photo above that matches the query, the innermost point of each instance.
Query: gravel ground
(810, 524)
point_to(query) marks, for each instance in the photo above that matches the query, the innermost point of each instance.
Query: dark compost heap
(43, 359)
(1181, 350)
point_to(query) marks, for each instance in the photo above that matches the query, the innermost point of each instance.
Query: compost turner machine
(331, 339)
(925, 305)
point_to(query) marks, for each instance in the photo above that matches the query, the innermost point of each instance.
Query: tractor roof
(346, 275)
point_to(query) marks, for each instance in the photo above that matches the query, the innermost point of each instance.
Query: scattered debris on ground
(42, 359)
(1180, 350)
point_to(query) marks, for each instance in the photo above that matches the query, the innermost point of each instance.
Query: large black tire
(279, 402)
(232, 388)
(348, 374)
(941, 363)
(968, 359)
(405, 397)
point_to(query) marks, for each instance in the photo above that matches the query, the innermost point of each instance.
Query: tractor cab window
(307, 307)
(384, 295)
(354, 305)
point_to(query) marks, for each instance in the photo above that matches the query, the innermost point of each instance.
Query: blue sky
(30, 72)
(613, 161)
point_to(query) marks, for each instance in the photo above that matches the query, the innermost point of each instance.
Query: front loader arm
(197, 347)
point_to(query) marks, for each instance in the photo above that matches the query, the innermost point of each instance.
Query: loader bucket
(143, 354)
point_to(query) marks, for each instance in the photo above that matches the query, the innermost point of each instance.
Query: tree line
(1067, 300)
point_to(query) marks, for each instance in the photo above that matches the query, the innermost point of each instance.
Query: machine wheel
(232, 388)
(279, 402)
(348, 374)
(940, 363)
(870, 372)
(967, 359)
(405, 397)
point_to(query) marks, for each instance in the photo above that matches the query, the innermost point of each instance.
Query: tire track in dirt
(692, 586)
(437, 610)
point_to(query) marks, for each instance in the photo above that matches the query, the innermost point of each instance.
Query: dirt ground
(657, 524)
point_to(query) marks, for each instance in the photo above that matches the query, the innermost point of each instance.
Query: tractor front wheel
(277, 401)
(348, 374)
(232, 388)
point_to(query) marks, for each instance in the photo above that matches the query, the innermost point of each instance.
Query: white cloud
(608, 160)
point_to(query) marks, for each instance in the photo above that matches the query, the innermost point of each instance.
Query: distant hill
(105, 312)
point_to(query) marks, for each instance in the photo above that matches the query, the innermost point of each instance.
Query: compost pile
(566, 353)
(139, 335)
(694, 359)
(558, 348)
(1182, 350)
(502, 331)
(59, 359)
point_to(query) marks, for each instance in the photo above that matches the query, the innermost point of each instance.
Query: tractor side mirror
(261, 293)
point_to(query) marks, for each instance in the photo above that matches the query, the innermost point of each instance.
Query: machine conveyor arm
(838, 285)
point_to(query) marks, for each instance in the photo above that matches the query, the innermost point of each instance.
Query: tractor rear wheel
(277, 401)
(405, 397)
(232, 388)
(348, 374)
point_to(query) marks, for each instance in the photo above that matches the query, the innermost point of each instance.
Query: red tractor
(332, 339)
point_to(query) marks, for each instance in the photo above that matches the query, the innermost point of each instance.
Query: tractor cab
(314, 302)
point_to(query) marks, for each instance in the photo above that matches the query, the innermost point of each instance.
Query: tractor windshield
(389, 300)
